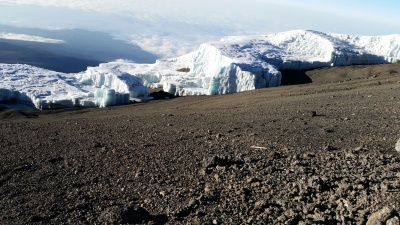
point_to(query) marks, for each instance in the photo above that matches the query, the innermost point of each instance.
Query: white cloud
(25, 37)
(169, 47)
(173, 27)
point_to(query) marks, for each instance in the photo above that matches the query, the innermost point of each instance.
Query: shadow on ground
(293, 77)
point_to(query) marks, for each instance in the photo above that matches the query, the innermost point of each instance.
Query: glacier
(242, 63)
(45, 89)
(233, 64)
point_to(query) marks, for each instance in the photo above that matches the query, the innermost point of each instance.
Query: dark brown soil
(317, 153)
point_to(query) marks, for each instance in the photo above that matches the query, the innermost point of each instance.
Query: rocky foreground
(319, 153)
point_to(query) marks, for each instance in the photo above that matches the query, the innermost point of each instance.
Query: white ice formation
(44, 89)
(242, 63)
(233, 64)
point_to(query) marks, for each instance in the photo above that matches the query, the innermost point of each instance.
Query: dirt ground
(316, 153)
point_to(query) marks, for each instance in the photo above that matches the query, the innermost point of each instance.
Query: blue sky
(175, 27)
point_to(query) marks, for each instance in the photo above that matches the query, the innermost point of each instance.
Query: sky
(170, 28)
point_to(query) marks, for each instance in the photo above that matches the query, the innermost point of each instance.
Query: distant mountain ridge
(88, 46)
(11, 54)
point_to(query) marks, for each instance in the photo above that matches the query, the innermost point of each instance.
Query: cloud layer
(173, 27)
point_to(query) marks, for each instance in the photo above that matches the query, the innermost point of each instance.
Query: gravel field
(316, 153)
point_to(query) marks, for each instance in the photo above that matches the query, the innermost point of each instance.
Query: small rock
(393, 221)
(260, 205)
(192, 203)
(207, 189)
(210, 162)
(24, 167)
(98, 145)
(220, 168)
(313, 113)
(397, 146)
(139, 173)
(203, 172)
(221, 160)
(384, 187)
(360, 148)
(250, 180)
(382, 216)
(57, 159)
(328, 148)
(360, 187)
(122, 215)
(36, 219)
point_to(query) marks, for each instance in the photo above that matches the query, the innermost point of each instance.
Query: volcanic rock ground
(317, 153)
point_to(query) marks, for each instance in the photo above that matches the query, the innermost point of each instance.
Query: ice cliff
(233, 64)
(241, 63)
(44, 89)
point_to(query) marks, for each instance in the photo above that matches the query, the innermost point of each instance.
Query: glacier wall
(241, 63)
(213, 73)
(44, 89)
(387, 46)
(233, 64)
(207, 71)
(113, 87)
